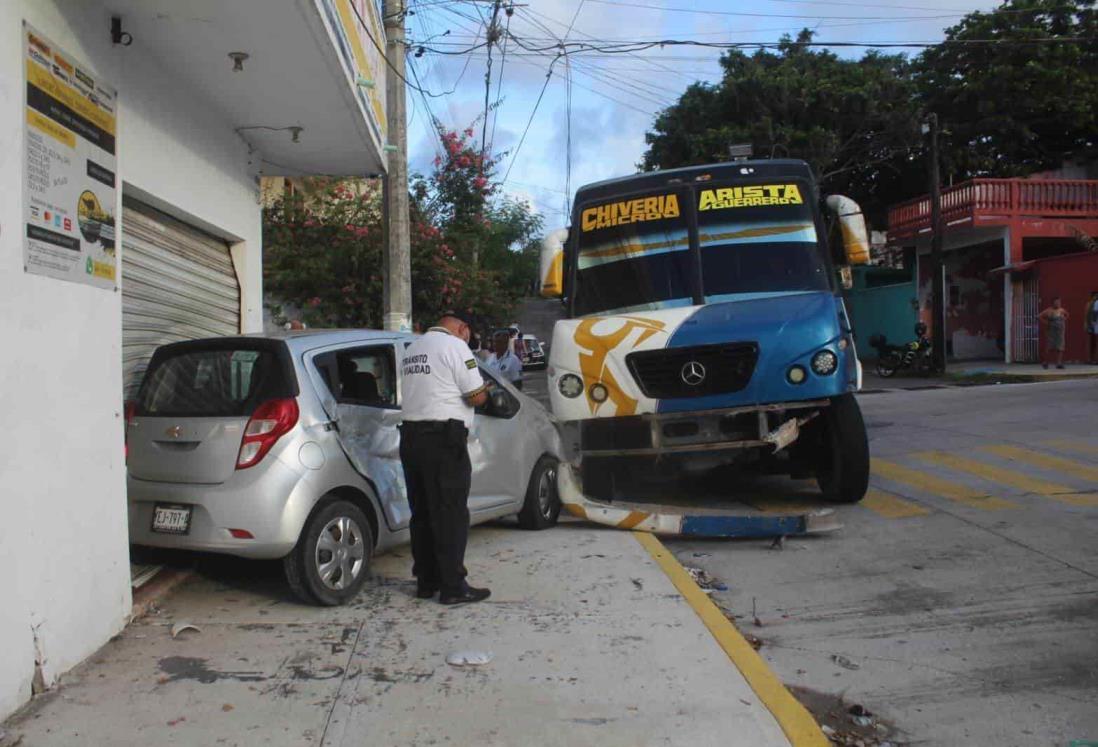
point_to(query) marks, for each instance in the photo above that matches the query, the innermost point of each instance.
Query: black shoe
(425, 591)
(466, 596)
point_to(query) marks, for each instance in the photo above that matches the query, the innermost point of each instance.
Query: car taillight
(270, 421)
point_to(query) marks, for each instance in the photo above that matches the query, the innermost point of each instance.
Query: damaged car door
(498, 446)
(365, 405)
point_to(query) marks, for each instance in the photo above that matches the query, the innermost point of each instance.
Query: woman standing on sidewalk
(1055, 317)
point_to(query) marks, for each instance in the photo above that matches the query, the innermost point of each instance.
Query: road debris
(844, 662)
(469, 658)
(847, 724)
(755, 641)
(705, 582)
(180, 627)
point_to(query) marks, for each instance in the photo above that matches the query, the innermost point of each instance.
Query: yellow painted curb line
(793, 718)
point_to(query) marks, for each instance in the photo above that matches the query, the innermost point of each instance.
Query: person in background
(1055, 318)
(503, 361)
(1091, 320)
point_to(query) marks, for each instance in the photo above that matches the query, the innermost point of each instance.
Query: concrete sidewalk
(592, 644)
(975, 373)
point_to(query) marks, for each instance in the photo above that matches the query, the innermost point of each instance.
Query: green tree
(323, 246)
(322, 253)
(1011, 108)
(854, 121)
(485, 230)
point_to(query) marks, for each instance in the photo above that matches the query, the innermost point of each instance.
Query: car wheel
(842, 470)
(541, 508)
(331, 560)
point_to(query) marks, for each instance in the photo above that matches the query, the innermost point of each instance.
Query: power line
(541, 95)
(670, 9)
(491, 37)
(502, 67)
(568, 110)
(384, 56)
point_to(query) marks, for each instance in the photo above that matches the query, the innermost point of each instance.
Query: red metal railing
(1004, 198)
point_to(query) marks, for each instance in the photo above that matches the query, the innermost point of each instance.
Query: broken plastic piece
(179, 627)
(783, 435)
(709, 524)
(844, 662)
(469, 658)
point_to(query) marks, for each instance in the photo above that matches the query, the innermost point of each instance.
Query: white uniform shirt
(508, 367)
(437, 372)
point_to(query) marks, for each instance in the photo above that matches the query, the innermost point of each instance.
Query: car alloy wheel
(546, 483)
(340, 553)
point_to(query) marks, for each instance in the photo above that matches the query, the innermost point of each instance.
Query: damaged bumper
(772, 426)
(687, 524)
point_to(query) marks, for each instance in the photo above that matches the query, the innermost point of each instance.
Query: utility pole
(396, 261)
(937, 288)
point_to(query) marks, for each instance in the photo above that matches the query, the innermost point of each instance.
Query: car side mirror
(500, 403)
(552, 263)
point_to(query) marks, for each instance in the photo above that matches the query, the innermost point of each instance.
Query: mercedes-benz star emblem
(175, 431)
(693, 373)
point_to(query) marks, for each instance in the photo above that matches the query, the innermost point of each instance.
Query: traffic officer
(503, 361)
(441, 385)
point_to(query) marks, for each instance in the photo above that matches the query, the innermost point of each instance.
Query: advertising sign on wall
(70, 179)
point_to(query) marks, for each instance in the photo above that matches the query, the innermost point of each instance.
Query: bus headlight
(599, 393)
(796, 374)
(825, 363)
(570, 385)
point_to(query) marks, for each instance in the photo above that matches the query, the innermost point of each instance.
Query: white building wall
(64, 588)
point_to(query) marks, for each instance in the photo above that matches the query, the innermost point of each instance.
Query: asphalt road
(960, 600)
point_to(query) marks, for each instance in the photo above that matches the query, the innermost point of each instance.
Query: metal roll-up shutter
(178, 283)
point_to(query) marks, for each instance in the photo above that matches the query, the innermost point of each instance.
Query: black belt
(425, 426)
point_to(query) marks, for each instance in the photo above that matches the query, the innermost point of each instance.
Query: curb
(146, 598)
(798, 725)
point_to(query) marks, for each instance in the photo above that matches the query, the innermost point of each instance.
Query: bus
(705, 328)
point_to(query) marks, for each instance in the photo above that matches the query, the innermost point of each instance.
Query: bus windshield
(758, 239)
(635, 254)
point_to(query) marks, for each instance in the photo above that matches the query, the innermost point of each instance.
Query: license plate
(171, 519)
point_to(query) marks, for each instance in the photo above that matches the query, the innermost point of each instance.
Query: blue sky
(614, 97)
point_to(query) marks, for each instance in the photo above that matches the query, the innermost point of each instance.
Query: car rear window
(219, 381)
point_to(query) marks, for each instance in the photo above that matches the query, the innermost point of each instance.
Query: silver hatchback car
(287, 446)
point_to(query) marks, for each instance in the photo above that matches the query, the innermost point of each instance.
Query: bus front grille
(695, 371)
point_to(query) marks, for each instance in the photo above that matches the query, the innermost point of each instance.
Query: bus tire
(842, 470)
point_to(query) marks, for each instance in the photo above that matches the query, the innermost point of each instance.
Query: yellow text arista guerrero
(757, 195)
(630, 211)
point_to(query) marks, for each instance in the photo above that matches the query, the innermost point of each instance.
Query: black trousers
(435, 457)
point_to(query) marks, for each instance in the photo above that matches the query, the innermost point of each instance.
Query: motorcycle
(914, 355)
